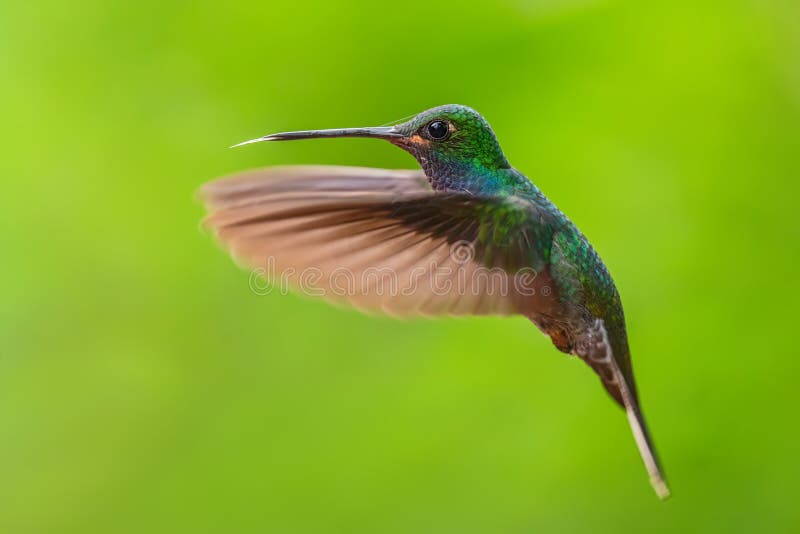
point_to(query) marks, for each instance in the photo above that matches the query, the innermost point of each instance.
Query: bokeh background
(145, 388)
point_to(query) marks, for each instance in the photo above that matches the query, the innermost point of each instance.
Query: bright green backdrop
(144, 388)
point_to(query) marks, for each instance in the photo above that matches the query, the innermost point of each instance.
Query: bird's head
(451, 138)
(448, 142)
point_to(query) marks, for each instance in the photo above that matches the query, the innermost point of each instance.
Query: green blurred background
(144, 388)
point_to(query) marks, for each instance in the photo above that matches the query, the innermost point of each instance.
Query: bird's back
(585, 290)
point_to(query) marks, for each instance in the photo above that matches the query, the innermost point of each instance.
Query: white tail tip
(661, 487)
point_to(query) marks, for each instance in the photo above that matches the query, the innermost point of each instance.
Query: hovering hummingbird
(355, 221)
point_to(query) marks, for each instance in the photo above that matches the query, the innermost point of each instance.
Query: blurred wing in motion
(381, 240)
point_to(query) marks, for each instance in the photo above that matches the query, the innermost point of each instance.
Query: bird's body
(523, 255)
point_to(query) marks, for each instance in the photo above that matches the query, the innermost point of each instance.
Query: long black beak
(379, 132)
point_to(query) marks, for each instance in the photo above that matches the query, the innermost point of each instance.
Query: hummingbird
(468, 234)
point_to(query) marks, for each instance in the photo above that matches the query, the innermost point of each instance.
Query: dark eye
(438, 130)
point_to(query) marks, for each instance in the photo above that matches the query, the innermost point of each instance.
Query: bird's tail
(616, 373)
(647, 451)
(640, 434)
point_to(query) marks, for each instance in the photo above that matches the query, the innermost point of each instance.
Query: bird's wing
(381, 240)
(596, 350)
